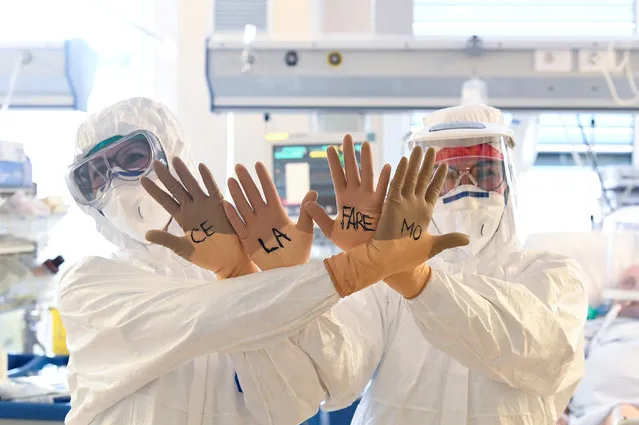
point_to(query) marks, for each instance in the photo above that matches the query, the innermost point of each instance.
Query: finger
(268, 187)
(162, 198)
(189, 182)
(448, 241)
(251, 190)
(411, 173)
(209, 182)
(425, 173)
(350, 161)
(305, 222)
(170, 182)
(398, 178)
(337, 173)
(231, 214)
(180, 246)
(320, 217)
(240, 201)
(367, 167)
(435, 186)
(382, 182)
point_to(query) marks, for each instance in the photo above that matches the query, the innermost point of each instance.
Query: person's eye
(84, 177)
(485, 172)
(133, 157)
(134, 160)
(452, 174)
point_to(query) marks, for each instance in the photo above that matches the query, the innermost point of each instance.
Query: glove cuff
(353, 270)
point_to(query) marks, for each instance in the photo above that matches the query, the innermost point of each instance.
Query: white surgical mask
(470, 210)
(134, 212)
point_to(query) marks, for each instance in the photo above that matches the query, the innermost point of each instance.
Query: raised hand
(411, 200)
(209, 240)
(401, 241)
(359, 205)
(267, 234)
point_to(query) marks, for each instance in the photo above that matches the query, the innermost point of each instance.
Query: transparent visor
(482, 162)
(622, 282)
(626, 291)
(112, 162)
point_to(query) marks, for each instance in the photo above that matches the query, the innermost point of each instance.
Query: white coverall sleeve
(345, 346)
(527, 333)
(154, 323)
(279, 384)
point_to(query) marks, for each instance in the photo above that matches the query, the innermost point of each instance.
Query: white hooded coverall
(150, 334)
(493, 339)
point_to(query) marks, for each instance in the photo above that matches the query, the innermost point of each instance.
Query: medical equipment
(15, 166)
(390, 74)
(298, 163)
(621, 293)
(597, 392)
(55, 74)
(620, 185)
(623, 253)
(25, 222)
(300, 168)
(248, 57)
(22, 288)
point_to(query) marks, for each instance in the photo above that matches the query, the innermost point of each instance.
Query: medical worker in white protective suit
(483, 334)
(151, 336)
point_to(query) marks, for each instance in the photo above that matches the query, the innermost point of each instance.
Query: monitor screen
(300, 168)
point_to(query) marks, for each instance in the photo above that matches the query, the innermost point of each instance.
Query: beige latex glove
(419, 276)
(268, 236)
(401, 241)
(358, 204)
(209, 241)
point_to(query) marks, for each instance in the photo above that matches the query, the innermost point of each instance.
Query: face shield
(480, 166)
(111, 163)
(479, 184)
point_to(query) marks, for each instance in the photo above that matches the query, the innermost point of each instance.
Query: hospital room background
(279, 81)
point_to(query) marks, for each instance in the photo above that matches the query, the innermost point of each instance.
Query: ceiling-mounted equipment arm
(412, 74)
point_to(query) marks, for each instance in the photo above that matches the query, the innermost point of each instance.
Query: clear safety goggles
(115, 161)
(479, 161)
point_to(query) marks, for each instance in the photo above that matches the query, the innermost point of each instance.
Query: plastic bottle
(48, 267)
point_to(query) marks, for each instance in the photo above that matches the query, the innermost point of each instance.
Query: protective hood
(120, 119)
(487, 217)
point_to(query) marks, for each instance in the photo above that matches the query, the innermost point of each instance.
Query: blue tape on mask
(465, 194)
